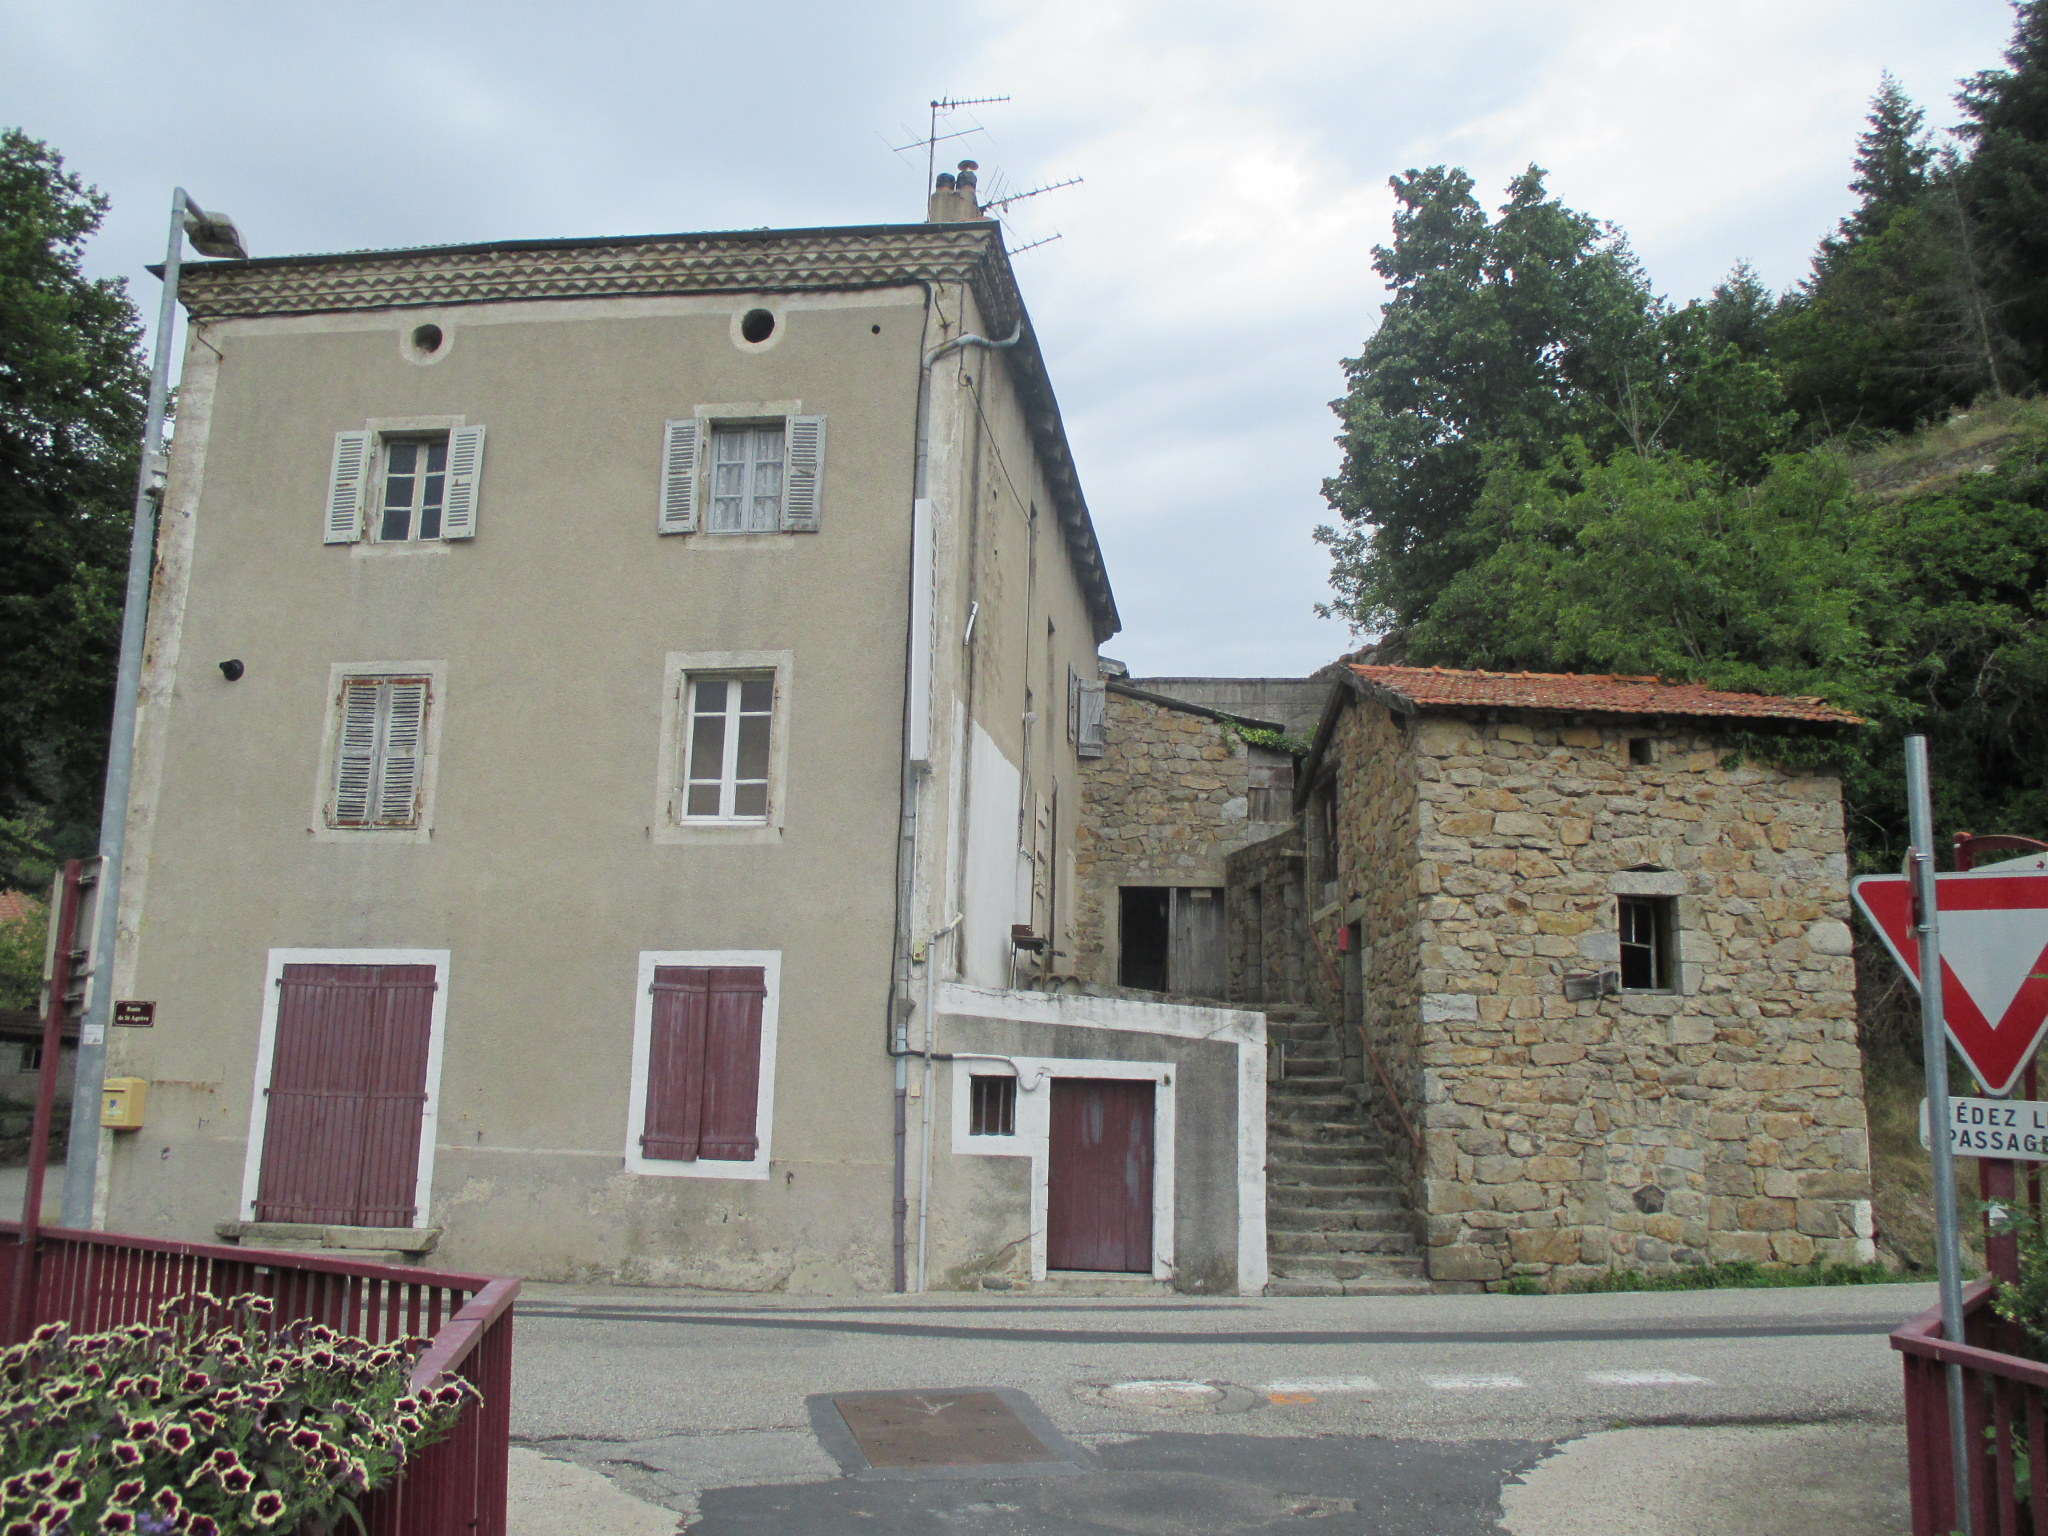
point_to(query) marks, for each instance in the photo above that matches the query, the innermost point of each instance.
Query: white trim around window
(436, 673)
(670, 824)
(770, 963)
(266, 1047)
(1035, 1076)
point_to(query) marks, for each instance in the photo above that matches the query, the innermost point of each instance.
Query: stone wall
(1722, 1119)
(1167, 802)
(1379, 884)
(1266, 910)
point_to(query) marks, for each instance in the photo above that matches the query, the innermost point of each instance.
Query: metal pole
(81, 1167)
(1934, 1056)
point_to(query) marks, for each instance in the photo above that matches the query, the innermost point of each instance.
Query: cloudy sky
(1213, 268)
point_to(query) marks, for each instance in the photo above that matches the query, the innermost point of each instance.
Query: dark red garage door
(1098, 1208)
(348, 1090)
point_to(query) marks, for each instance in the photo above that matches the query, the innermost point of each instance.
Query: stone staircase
(1334, 1224)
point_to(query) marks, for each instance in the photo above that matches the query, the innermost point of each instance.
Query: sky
(1212, 270)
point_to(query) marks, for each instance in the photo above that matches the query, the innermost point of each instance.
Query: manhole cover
(939, 1429)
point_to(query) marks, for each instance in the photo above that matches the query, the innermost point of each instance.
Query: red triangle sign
(1994, 960)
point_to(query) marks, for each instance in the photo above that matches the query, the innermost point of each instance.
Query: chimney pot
(945, 182)
(967, 170)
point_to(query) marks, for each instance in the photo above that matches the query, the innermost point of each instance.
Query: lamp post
(212, 234)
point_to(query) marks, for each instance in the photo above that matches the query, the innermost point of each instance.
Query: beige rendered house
(607, 784)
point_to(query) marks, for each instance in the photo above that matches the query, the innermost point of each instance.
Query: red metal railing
(456, 1487)
(2005, 1408)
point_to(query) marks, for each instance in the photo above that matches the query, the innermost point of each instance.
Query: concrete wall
(1208, 1064)
(1722, 1119)
(1293, 703)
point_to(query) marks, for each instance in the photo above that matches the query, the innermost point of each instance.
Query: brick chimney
(953, 199)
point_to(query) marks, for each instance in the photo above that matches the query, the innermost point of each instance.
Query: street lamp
(213, 234)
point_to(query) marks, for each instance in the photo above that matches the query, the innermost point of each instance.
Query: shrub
(216, 1420)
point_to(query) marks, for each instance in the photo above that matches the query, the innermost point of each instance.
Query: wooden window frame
(669, 824)
(769, 963)
(418, 506)
(734, 714)
(325, 824)
(1660, 946)
(691, 447)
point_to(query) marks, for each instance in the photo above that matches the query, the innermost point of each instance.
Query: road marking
(1646, 1379)
(1325, 1386)
(1475, 1383)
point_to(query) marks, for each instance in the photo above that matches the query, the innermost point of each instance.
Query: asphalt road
(1724, 1412)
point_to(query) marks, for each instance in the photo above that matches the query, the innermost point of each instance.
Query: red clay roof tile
(1587, 693)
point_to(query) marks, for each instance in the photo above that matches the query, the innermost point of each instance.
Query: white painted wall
(990, 887)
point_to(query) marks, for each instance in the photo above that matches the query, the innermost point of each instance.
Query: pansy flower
(128, 1453)
(195, 1381)
(176, 1438)
(202, 1525)
(128, 1491)
(238, 1480)
(69, 1491)
(119, 1520)
(167, 1503)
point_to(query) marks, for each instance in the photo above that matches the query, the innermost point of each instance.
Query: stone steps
(1335, 1225)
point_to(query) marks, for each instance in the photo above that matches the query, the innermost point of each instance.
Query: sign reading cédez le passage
(2012, 1128)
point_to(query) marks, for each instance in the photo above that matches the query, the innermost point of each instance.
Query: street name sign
(1994, 960)
(2010, 1128)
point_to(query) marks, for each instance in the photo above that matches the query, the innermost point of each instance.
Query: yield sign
(1994, 960)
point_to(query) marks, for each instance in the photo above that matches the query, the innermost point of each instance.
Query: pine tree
(2004, 193)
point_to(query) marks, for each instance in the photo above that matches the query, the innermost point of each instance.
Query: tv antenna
(933, 138)
(1018, 197)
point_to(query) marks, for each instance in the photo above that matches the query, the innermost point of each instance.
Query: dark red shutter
(347, 1095)
(704, 1063)
(675, 1064)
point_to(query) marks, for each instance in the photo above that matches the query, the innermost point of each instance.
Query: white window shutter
(398, 786)
(465, 469)
(1093, 701)
(345, 487)
(678, 478)
(1073, 705)
(806, 469)
(356, 762)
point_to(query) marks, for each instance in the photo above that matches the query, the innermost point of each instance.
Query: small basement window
(1647, 927)
(992, 1106)
(1642, 752)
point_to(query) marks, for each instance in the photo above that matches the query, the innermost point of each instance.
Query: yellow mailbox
(122, 1102)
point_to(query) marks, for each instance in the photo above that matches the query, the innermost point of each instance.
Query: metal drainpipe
(898, 1036)
(81, 1167)
(924, 1178)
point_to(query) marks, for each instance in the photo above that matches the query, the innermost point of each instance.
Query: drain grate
(940, 1429)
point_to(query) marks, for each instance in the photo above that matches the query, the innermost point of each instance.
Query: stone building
(1594, 941)
(1177, 789)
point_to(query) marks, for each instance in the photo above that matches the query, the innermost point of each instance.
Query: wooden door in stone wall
(1194, 953)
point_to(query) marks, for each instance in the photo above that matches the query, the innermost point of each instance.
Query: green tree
(1504, 336)
(2005, 185)
(72, 389)
(21, 958)
(1659, 565)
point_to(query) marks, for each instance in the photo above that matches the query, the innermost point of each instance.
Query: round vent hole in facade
(757, 325)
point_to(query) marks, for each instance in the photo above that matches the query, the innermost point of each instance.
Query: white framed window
(701, 1101)
(731, 722)
(405, 483)
(724, 746)
(726, 470)
(414, 489)
(379, 750)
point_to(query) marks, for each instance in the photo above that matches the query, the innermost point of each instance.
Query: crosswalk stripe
(1646, 1379)
(1475, 1383)
(1326, 1386)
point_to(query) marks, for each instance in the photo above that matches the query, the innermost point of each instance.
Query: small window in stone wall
(1647, 928)
(1642, 752)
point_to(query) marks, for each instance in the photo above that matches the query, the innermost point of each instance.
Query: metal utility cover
(940, 1429)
